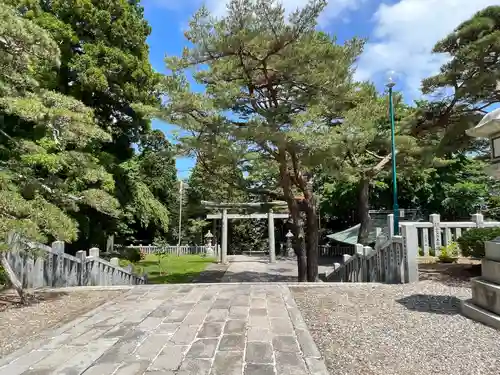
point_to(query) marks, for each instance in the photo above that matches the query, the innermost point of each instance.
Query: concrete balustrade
(51, 267)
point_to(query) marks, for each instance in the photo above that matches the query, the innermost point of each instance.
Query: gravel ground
(374, 329)
(22, 324)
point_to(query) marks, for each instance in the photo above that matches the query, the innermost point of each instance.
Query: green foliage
(472, 241)
(275, 80)
(449, 253)
(471, 75)
(76, 92)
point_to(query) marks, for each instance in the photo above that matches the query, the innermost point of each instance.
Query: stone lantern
(484, 306)
(209, 251)
(289, 248)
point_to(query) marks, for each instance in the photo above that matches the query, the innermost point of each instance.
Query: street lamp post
(390, 84)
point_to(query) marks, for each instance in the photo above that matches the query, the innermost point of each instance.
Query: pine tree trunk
(363, 211)
(300, 248)
(14, 281)
(312, 237)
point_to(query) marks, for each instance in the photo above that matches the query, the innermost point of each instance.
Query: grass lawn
(174, 269)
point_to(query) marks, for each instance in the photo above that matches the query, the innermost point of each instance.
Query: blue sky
(400, 33)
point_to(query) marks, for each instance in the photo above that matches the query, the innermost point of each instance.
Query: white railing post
(425, 241)
(82, 275)
(478, 219)
(390, 225)
(58, 249)
(447, 236)
(397, 246)
(436, 233)
(359, 252)
(410, 252)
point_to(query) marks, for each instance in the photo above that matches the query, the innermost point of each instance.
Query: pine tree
(47, 141)
(274, 87)
(473, 78)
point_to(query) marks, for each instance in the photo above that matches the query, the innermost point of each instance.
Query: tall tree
(363, 148)
(104, 63)
(467, 86)
(274, 87)
(47, 143)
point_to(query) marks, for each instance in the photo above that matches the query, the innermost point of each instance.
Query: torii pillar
(223, 253)
(270, 230)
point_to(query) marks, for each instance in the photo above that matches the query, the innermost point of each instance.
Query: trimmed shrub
(449, 253)
(472, 241)
(132, 255)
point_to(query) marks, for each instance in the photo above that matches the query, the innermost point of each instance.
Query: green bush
(133, 255)
(136, 269)
(472, 241)
(421, 252)
(449, 253)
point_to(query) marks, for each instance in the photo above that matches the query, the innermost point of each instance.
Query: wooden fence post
(410, 252)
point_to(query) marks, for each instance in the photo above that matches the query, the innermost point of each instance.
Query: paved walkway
(244, 268)
(252, 329)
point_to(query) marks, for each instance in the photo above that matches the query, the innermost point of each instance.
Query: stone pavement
(218, 329)
(244, 268)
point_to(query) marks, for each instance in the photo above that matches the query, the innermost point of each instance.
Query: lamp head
(391, 79)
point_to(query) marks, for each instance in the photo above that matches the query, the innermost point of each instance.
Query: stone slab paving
(244, 268)
(249, 329)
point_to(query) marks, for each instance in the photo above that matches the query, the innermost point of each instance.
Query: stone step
(492, 250)
(486, 294)
(474, 312)
(490, 270)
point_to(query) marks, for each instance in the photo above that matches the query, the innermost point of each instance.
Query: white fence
(395, 258)
(432, 235)
(323, 250)
(52, 267)
(174, 250)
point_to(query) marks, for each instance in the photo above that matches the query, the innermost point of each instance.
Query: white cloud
(334, 9)
(405, 34)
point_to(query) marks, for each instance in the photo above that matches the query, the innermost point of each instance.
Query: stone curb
(87, 288)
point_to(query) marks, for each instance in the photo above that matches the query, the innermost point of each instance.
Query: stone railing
(334, 250)
(432, 235)
(395, 258)
(384, 264)
(175, 250)
(52, 267)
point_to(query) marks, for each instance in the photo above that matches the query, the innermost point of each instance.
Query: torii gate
(264, 206)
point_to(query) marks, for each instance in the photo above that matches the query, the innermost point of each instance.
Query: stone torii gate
(267, 212)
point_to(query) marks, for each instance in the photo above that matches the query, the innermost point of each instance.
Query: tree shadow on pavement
(434, 304)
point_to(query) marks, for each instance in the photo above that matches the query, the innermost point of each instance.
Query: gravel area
(374, 329)
(22, 324)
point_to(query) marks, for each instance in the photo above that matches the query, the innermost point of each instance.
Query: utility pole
(180, 217)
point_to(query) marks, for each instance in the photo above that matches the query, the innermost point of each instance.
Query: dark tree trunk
(299, 240)
(312, 237)
(363, 211)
